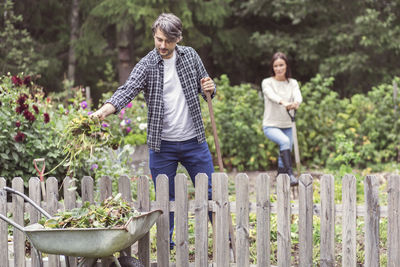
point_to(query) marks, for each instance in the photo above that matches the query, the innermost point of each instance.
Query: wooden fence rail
(284, 207)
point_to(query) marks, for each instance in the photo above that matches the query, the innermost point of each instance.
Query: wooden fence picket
(143, 197)
(393, 221)
(18, 217)
(283, 221)
(220, 182)
(263, 214)
(349, 221)
(162, 199)
(305, 220)
(70, 203)
(327, 255)
(3, 224)
(34, 214)
(52, 206)
(242, 220)
(87, 188)
(372, 218)
(201, 220)
(181, 218)
(124, 187)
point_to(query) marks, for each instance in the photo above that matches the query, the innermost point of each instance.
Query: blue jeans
(281, 136)
(195, 157)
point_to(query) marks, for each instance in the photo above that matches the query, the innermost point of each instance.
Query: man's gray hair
(169, 24)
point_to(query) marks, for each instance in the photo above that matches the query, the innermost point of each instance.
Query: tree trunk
(72, 40)
(125, 63)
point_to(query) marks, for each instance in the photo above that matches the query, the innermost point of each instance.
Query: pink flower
(105, 125)
(18, 124)
(122, 112)
(128, 129)
(129, 105)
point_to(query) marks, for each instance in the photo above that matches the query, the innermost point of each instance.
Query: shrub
(28, 130)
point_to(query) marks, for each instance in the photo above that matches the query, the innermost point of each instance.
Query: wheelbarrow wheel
(127, 261)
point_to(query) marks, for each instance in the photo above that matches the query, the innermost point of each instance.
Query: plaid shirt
(148, 75)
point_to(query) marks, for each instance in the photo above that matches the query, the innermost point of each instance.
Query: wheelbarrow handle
(16, 225)
(8, 189)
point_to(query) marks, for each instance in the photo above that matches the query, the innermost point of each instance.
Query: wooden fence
(283, 207)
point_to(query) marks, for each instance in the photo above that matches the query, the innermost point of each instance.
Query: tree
(351, 41)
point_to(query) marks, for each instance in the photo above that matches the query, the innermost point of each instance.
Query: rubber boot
(285, 154)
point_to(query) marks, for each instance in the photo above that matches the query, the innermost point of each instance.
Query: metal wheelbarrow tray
(91, 242)
(84, 242)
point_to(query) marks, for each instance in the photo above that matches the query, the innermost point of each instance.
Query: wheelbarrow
(88, 243)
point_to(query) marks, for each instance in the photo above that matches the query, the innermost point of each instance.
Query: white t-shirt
(177, 122)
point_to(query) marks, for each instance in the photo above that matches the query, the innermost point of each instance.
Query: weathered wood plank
(220, 182)
(87, 188)
(263, 220)
(34, 214)
(349, 221)
(305, 220)
(181, 215)
(393, 220)
(70, 203)
(201, 222)
(18, 217)
(327, 255)
(242, 220)
(162, 198)
(124, 187)
(283, 221)
(371, 194)
(3, 224)
(52, 206)
(105, 185)
(143, 194)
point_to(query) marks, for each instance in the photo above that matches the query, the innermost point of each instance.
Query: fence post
(305, 220)
(124, 187)
(242, 220)
(18, 217)
(327, 256)
(162, 198)
(263, 214)
(87, 188)
(349, 221)
(283, 223)
(181, 215)
(372, 218)
(34, 214)
(201, 221)
(143, 194)
(105, 185)
(220, 182)
(393, 221)
(52, 206)
(3, 224)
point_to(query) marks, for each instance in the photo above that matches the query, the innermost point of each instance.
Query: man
(171, 77)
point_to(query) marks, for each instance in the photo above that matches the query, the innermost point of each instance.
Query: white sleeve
(269, 92)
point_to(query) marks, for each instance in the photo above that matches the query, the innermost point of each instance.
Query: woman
(281, 94)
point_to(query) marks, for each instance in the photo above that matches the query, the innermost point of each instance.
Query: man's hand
(207, 85)
(103, 112)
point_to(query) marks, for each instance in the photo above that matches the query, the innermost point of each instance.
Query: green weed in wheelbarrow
(90, 232)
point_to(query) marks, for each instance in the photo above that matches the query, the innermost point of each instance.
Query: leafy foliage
(28, 130)
(112, 212)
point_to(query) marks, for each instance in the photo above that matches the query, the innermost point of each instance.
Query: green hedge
(361, 131)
